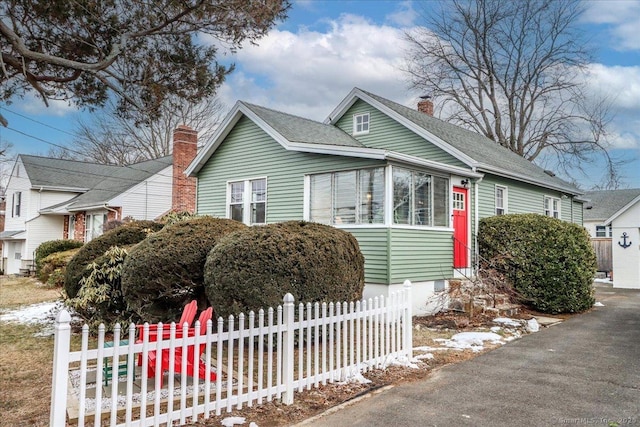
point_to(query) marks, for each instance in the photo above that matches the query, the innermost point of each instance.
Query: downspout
(111, 210)
(476, 218)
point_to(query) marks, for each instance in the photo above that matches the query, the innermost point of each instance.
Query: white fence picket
(334, 342)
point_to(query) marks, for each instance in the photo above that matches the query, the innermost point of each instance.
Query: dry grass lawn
(25, 360)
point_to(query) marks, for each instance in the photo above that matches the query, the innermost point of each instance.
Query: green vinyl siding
(577, 212)
(420, 255)
(373, 244)
(386, 133)
(248, 152)
(521, 198)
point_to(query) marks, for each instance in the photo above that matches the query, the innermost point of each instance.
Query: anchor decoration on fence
(624, 243)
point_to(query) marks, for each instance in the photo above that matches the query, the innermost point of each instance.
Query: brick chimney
(425, 105)
(185, 144)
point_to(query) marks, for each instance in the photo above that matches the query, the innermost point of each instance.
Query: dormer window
(361, 124)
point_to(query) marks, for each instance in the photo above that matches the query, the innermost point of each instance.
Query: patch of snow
(36, 313)
(427, 356)
(473, 341)
(606, 280)
(496, 328)
(505, 321)
(354, 376)
(252, 424)
(403, 361)
(427, 348)
(598, 304)
(232, 421)
(532, 325)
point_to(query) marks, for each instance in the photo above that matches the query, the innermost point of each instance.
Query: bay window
(358, 197)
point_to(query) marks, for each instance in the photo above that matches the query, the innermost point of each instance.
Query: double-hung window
(420, 198)
(552, 207)
(349, 197)
(247, 201)
(603, 231)
(501, 200)
(17, 204)
(361, 123)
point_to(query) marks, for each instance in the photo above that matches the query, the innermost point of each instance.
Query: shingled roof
(486, 154)
(604, 204)
(97, 183)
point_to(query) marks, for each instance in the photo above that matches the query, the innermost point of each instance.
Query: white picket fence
(256, 358)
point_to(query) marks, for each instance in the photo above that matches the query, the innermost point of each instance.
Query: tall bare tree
(111, 138)
(142, 51)
(514, 72)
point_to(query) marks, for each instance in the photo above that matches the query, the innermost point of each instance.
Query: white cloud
(309, 72)
(621, 84)
(405, 16)
(33, 104)
(622, 15)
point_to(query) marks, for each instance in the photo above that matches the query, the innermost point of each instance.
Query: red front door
(460, 227)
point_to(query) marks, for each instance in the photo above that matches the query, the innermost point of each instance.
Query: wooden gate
(602, 247)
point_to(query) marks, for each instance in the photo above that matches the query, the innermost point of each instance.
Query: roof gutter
(529, 180)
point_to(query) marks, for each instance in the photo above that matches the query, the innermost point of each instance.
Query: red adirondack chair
(192, 357)
(188, 314)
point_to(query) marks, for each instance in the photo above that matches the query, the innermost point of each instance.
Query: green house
(411, 188)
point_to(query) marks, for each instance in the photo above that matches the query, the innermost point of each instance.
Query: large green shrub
(165, 271)
(99, 299)
(127, 234)
(53, 267)
(255, 267)
(550, 263)
(52, 246)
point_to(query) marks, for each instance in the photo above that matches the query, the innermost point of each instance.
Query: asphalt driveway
(584, 371)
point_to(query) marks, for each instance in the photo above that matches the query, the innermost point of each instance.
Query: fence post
(58, 413)
(408, 314)
(287, 349)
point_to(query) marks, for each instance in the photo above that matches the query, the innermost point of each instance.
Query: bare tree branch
(514, 72)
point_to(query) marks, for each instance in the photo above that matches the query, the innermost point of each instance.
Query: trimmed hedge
(550, 263)
(255, 267)
(52, 246)
(126, 234)
(165, 271)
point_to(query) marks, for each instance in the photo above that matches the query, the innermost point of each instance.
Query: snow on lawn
(606, 280)
(43, 313)
(509, 329)
(598, 304)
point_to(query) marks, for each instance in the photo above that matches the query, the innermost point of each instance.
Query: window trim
(16, 204)
(87, 229)
(608, 232)
(357, 197)
(246, 199)
(505, 199)
(355, 123)
(551, 212)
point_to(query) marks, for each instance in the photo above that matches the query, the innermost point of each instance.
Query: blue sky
(308, 63)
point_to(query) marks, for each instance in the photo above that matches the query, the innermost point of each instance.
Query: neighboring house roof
(10, 233)
(470, 147)
(607, 203)
(97, 183)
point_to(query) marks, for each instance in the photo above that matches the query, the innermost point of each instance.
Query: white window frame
(358, 197)
(505, 198)
(90, 232)
(16, 204)
(548, 207)
(246, 199)
(366, 122)
(431, 207)
(604, 228)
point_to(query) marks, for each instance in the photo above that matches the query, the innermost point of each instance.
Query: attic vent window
(361, 124)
